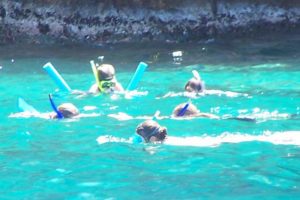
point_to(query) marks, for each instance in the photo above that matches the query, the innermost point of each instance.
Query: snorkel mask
(136, 139)
(105, 76)
(104, 86)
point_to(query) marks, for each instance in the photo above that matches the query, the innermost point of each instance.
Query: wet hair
(68, 110)
(190, 111)
(194, 85)
(106, 72)
(150, 128)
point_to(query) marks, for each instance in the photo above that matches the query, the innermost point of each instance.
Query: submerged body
(190, 110)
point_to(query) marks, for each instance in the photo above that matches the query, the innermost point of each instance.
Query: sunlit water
(91, 157)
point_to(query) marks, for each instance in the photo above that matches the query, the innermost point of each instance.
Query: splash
(206, 92)
(276, 138)
(48, 115)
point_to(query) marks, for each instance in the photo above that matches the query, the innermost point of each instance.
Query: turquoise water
(207, 158)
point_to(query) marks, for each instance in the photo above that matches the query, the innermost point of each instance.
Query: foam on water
(277, 138)
(206, 92)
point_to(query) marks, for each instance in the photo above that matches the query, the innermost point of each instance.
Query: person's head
(106, 72)
(191, 110)
(151, 131)
(68, 110)
(106, 76)
(194, 85)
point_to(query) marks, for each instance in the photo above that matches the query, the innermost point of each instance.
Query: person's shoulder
(94, 89)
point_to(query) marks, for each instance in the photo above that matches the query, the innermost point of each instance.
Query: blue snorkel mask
(59, 114)
(136, 138)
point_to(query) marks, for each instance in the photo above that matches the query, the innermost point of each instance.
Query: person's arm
(208, 115)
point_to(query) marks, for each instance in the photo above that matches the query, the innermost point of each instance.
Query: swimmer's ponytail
(162, 133)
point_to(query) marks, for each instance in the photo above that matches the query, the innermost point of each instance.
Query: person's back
(190, 110)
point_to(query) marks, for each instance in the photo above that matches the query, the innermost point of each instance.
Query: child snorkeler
(195, 84)
(151, 132)
(194, 87)
(188, 110)
(106, 80)
(65, 110)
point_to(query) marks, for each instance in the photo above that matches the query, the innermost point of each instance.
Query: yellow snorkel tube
(93, 65)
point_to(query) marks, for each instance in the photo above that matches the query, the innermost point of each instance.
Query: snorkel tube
(183, 110)
(59, 114)
(196, 74)
(197, 77)
(58, 79)
(137, 76)
(93, 65)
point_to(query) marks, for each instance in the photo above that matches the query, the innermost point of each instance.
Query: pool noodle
(137, 76)
(60, 82)
(25, 107)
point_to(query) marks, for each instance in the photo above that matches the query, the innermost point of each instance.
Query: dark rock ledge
(103, 21)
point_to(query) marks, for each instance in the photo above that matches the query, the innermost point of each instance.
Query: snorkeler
(106, 81)
(195, 84)
(151, 131)
(190, 110)
(65, 110)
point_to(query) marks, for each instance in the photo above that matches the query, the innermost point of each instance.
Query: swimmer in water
(67, 110)
(190, 110)
(107, 80)
(195, 84)
(151, 131)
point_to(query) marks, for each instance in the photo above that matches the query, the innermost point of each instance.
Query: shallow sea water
(91, 158)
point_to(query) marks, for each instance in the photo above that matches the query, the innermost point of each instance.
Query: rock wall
(101, 21)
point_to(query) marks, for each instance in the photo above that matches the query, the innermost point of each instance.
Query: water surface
(61, 159)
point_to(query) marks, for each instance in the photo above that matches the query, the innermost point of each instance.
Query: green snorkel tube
(59, 114)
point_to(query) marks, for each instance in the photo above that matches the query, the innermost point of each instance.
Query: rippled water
(91, 157)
